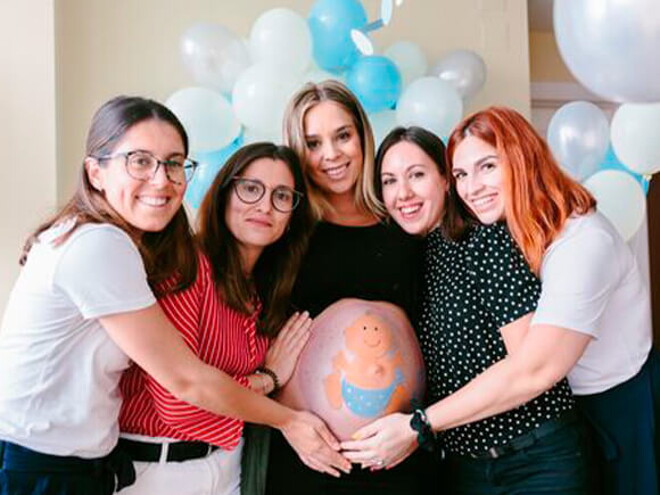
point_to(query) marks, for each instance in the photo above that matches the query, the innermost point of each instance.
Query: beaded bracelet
(267, 371)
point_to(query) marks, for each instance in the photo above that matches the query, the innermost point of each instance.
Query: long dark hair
(166, 253)
(454, 222)
(275, 272)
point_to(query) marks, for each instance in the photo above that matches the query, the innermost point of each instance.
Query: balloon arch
(243, 85)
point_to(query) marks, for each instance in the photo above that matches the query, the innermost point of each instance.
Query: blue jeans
(554, 464)
(26, 472)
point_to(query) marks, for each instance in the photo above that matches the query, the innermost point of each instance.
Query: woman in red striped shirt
(253, 231)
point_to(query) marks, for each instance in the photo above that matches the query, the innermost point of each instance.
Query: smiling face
(333, 153)
(368, 337)
(414, 192)
(257, 225)
(146, 205)
(480, 179)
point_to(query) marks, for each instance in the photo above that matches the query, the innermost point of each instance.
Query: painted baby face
(368, 337)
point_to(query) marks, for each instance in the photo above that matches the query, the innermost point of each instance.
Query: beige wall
(27, 126)
(129, 46)
(546, 64)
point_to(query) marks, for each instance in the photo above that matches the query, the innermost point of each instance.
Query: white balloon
(636, 137)
(463, 69)
(214, 56)
(281, 37)
(254, 136)
(382, 123)
(320, 75)
(207, 117)
(611, 47)
(409, 59)
(578, 136)
(260, 96)
(430, 103)
(620, 198)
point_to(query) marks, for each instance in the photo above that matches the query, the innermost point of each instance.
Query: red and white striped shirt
(221, 337)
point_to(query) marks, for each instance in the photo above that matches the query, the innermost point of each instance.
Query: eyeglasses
(142, 165)
(249, 191)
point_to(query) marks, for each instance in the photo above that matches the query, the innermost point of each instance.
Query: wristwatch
(425, 435)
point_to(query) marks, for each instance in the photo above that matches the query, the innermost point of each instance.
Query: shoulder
(587, 252)
(589, 236)
(101, 236)
(495, 236)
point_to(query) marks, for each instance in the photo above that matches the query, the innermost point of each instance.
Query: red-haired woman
(479, 294)
(593, 321)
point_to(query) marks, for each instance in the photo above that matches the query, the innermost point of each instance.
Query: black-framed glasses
(249, 191)
(142, 165)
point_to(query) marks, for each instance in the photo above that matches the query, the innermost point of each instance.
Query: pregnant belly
(354, 331)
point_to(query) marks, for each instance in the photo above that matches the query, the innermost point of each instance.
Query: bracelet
(267, 371)
(425, 435)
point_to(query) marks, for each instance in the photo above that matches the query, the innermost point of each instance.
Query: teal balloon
(210, 163)
(611, 162)
(376, 81)
(331, 22)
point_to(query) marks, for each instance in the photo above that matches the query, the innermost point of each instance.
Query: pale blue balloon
(210, 163)
(578, 136)
(331, 22)
(376, 81)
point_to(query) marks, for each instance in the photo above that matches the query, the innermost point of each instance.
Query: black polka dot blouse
(473, 288)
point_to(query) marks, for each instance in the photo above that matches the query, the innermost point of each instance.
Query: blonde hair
(310, 95)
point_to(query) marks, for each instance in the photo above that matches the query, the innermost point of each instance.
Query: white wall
(27, 126)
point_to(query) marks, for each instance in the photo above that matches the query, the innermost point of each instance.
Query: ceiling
(540, 15)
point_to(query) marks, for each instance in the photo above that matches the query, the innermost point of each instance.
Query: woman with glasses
(351, 254)
(253, 227)
(84, 306)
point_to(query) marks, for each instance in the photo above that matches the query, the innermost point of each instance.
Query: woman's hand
(285, 349)
(382, 444)
(317, 448)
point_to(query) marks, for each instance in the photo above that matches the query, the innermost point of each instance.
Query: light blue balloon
(376, 81)
(611, 162)
(210, 163)
(330, 22)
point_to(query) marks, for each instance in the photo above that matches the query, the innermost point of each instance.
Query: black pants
(26, 472)
(287, 475)
(624, 423)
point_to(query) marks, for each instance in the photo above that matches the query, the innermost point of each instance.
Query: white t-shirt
(592, 285)
(59, 369)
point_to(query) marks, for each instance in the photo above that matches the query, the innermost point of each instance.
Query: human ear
(94, 173)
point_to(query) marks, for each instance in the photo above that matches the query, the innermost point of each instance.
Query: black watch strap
(425, 435)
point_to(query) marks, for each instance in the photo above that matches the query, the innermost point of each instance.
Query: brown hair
(275, 272)
(453, 225)
(539, 195)
(166, 253)
(310, 95)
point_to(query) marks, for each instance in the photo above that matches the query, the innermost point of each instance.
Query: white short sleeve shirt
(59, 369)
(592, 285)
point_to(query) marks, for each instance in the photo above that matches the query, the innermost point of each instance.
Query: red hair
(539, 195)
